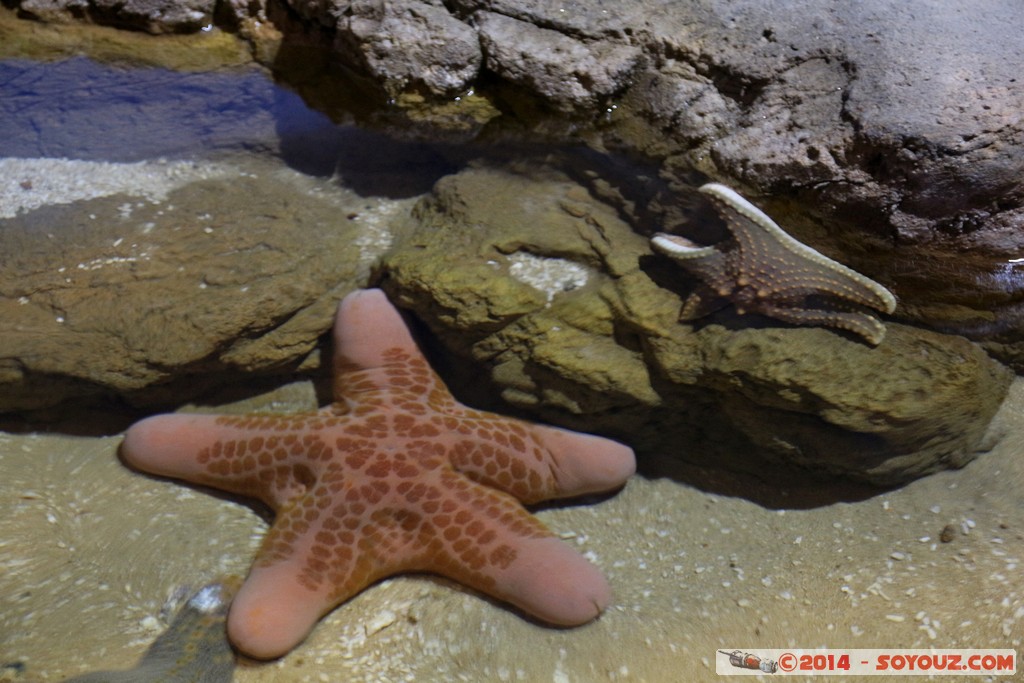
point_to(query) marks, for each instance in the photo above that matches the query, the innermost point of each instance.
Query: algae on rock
(609, 355)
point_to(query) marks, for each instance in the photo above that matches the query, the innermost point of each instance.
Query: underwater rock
(577, 322)
(194, 649)
(157, 298)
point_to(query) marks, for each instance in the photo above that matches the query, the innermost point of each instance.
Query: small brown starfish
(761, 269)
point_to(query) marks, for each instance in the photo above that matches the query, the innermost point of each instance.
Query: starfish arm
(863, 324)
(486, 540)
(456, 528)
(700, 303)
(536, 462)
(796, 281)
(244, 454)
(274, 611)
(581, 463)
(789, 284)
(374, 351)
(323, 548)
(707, 263)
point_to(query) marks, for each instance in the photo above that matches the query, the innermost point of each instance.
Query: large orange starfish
(394, 476)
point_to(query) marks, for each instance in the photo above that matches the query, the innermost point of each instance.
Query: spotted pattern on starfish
(761, 269)
(394, 476)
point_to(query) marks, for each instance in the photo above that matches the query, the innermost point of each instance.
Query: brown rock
(411, 44)
(563, 70)
(589, 338)
(154, 16)
(156, 301)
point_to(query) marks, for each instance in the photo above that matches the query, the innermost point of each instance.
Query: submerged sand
(94, 558)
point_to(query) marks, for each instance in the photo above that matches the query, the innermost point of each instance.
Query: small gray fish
(194, 649)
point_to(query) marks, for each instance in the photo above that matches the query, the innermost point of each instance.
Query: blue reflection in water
(81, 109)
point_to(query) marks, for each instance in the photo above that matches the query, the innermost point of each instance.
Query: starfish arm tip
(888, 299)
(729, 201)
(585, 463)
(677, 247)
(165, 445)
(557, 585)
(273, 613)
(365, 324)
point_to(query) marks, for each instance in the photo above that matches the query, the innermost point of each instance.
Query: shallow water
(78, 108)
(84, 110)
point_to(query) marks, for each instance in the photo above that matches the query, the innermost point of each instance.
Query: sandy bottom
(94, 558)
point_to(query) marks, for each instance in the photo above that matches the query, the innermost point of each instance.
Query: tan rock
(153, 299)
(589, 338)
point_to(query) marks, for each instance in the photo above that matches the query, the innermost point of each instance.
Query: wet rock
(563, 70)
(810, 398)
(401, 46)
(156, 300)
(154, 16)
(404, 44)
(552, 291)
(195, 646)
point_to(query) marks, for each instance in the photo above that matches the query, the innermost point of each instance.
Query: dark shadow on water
(104, 414)
(309, 141)
(374, 164)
